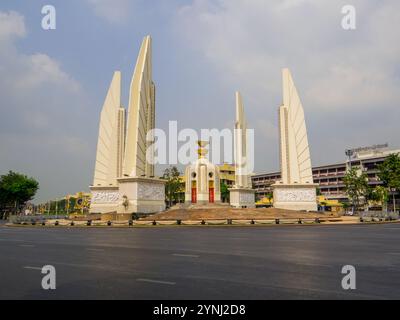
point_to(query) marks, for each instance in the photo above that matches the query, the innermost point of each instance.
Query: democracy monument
(124, 182)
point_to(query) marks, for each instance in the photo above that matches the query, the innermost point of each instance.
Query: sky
(53, 82)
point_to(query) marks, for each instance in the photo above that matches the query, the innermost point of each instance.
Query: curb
(324, 224)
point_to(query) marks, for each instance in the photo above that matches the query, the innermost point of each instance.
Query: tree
(356, 186)
(16, 189)
(389, 174)
(173, 185)
(345, 206)
(380, 194)
(224, 192)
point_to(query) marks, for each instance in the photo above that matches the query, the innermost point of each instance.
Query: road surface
(293, 262)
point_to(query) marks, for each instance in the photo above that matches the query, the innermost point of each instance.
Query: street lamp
(349, 153)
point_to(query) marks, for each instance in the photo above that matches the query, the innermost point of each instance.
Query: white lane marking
(394, 253)
(156, 281)
(16, 240)
(93, 249)
(33, 268)
(26, 245)
(185, 255)
(310, 264)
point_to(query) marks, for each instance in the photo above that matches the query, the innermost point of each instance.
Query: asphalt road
(287, 262)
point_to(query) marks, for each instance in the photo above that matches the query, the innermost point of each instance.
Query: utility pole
(56, 207)
(394, 199)
(349, 153)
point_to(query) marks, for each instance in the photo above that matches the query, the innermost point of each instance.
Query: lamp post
(349, 153)
(394, 199)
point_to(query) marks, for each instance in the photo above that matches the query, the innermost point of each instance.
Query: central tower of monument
(202, 182)
(296, 190)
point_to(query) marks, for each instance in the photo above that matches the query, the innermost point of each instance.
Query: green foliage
(173, 185)
(356, 185)
(345, 205)
(16, 189)
(380, 194)
(224, 192)
(389, 172)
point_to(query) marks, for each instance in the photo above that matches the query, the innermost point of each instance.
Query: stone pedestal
(104, 199)
(242, 198)
(295, 196)
(141, 195)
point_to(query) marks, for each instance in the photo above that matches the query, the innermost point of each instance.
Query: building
(227, 174)
(330, 177)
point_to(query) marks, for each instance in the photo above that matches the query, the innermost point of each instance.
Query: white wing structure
(111, 142)
(242, 176)
(141, 116)
(294, 149)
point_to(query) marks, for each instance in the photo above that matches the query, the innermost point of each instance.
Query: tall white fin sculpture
(296, 190)
(141, 192)
(110, 145)
(241, 195)
(124, 180)
(141, 115)
(110, 149)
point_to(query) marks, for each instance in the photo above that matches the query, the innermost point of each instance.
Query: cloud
(114, 11)
(11, 25)
(41, 107)
(335, 68)
(339, 74)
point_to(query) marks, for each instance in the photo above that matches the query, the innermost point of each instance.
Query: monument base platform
(141, 195)
(242, 198)
(300, 197)
(104, 199)
(132, 195)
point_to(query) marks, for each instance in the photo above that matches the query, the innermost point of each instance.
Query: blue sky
(53, 83)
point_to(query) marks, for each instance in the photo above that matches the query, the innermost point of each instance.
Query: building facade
(330, 177)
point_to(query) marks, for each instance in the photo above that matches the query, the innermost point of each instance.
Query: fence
(378, 216)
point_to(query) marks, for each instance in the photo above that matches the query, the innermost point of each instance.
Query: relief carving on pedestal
(295, 195)
(151, 191)
(105, 197)
(246, 197)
